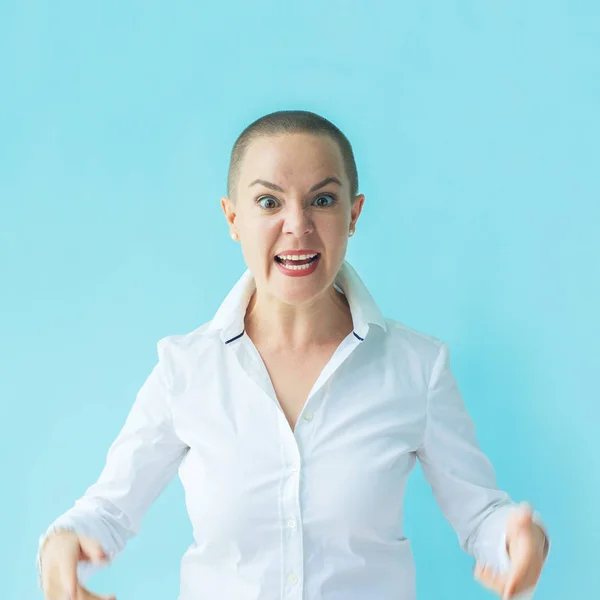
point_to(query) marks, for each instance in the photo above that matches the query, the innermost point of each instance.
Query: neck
(277, 325)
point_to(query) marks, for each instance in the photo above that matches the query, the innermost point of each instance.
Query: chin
(297, 290)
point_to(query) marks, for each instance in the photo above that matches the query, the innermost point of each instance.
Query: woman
(295, 415)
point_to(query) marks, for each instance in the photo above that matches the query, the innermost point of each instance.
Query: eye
(329, 197)
(269, 199)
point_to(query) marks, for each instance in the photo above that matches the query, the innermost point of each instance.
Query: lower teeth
(300, 267)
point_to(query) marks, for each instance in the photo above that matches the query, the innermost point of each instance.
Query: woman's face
(293, 195)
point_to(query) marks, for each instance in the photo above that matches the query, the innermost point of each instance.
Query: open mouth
(298, 263)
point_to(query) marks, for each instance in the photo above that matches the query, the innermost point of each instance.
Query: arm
(140, 463)
(460, 475)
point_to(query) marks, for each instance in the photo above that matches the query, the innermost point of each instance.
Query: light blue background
(475, 127)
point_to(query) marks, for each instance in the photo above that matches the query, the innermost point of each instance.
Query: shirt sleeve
(460, 474)
(139, 464)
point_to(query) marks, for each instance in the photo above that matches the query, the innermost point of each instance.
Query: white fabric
(315, 513)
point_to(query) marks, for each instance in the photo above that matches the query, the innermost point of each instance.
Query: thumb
(520, 518)
(525, 512)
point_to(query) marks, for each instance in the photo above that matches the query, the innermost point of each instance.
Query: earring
(351, 233)
(234, 236)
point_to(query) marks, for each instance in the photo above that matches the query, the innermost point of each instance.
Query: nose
(298, 221)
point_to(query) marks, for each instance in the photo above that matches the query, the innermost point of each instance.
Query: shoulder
(192, 341)
(182, 353)
(417, 346)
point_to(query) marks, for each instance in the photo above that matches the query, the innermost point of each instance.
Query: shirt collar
(229, 318)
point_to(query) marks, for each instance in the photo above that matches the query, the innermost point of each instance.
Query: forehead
(292, 156)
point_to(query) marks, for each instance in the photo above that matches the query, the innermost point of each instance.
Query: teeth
(298, 267)
(299, 257)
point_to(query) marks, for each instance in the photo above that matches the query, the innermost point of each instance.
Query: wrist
(43, 541)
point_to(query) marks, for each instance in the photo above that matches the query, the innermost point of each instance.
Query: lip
(299, 272)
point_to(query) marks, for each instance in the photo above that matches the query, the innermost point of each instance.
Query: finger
(515, 579)
(517, 593)
(87, 595)
(509, 590)
(92, 549)
(90, 596)
(524, 562)
(517, 585)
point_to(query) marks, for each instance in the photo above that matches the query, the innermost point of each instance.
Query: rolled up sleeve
(139, 464)
(461, 476)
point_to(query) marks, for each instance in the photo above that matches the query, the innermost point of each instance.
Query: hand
(527, 548)
(60, 556)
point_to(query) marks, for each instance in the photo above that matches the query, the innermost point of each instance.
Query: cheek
(335, 230)
(259, 237)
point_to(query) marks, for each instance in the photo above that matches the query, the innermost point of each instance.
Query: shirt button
(308, 416)
(292, 579)
(291, 523)
(295, 468)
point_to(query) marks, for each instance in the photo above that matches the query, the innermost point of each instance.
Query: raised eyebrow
(314, 188)
(268, 184)
(323, 183)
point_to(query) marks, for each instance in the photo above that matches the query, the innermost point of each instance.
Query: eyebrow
(314, 188)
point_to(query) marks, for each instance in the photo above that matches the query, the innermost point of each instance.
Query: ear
(357, 206)
(229, 210)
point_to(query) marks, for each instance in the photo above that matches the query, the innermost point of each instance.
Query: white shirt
(315, 513)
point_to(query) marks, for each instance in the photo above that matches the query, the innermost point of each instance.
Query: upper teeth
(296, 257)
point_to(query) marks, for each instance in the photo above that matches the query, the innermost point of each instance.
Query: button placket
(292, 539)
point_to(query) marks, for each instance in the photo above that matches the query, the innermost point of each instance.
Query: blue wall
(475, 127)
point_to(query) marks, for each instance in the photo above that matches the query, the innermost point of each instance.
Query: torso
(293, 375)
(294, 372)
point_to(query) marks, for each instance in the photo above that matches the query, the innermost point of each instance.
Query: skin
(298, 313)
(294, 312)
(527, 547)
(60, 557)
